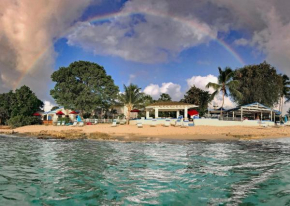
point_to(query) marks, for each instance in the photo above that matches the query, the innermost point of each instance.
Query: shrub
(20, 120)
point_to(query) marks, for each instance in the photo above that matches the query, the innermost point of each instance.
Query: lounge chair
(114, 124)
(75, 124)
(63, 124)
(122, 122)
(96, 121)
(58, 123)
(185, 124)
(167, 123)
(153, 123)
(81, 124)
(178, 123)
(139, 124)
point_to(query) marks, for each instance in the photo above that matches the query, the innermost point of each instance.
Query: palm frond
(215, 86)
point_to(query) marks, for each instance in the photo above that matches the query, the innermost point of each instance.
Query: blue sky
(200, 60)
(163, 46)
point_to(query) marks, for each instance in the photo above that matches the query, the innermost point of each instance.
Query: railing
(230, 118)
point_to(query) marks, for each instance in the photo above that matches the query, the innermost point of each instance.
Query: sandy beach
(131, 132)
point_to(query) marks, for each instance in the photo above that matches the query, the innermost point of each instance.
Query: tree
(83, 86)
(54, 108)
(258, 83)
(23, 102)
(225, 84)
(285, 92)
(164, 98)
(198, 97)
(146, 100)
(26, 102)
(132, 96)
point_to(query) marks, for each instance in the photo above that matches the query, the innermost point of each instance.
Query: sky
(163, 46)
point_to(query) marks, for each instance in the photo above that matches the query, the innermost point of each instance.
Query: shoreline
(147, 133)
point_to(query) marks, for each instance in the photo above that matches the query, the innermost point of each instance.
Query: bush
(20, 120)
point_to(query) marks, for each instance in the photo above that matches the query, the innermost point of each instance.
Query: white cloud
(28, 31)
(202, 81)
(174, 90)
(47, 106)
(149, 39)
(241, 42)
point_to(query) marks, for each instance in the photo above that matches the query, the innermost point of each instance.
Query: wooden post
(271, 116)
(233, 115)
(241, 113)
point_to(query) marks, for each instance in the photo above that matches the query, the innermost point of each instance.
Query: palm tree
(285, 91)
(225, 83)
(131, 97)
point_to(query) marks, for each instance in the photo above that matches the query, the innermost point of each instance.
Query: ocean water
(59, 172)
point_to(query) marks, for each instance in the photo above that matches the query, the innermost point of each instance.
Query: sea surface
(83, 172)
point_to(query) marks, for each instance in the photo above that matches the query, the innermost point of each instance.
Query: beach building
(177, 107)
(254, 111)
(52, 116)
(169, 107)
(253, 114)
(121, 109)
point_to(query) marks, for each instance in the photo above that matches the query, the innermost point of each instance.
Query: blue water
(58, 172)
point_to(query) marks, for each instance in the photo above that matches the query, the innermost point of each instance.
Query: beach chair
(185, 124)
(167, 123)
(96, 121)
(63, 124)
(178, 123)
(153, 123)
(58, 123)
(114, 124)
(81, 124)
(122, 122)
(75, 124)
(139, 124)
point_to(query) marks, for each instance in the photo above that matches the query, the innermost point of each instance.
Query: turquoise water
(58, 172)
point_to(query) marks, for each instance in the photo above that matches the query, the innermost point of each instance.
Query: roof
(169, 106)
(169, 103)
(53, 111)
(254, 107)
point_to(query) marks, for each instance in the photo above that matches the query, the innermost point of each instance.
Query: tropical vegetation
(198, 97)
(131, 97)
(19, 106)
(225, 84)
(83, 86)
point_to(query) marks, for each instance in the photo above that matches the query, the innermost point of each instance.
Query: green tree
(164, 98)
(258, 83)
(23, 102)
(225, 84)
(83, 86)
(54, 108)
(198, 97)
(285, 92)
(146, 100)
(131, 97)
(26, 102)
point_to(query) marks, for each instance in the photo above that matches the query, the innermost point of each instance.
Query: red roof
(59, 113)
(36, 114)
(135, 110)
(73, 112)
(192, 112)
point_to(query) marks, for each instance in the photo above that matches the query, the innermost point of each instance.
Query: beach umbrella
(135, 110)
(36, 114)
(59, 113)
(73, 112)
(193, 112)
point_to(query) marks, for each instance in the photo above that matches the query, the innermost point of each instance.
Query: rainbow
(111, 16)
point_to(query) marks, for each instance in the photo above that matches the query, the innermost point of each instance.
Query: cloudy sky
(164, 46)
